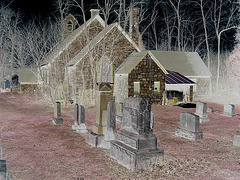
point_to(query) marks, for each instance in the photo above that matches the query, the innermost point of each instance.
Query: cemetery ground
(35, 149)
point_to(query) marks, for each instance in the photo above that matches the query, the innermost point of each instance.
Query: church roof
(185, 63)
(64, 44)
(98, 39)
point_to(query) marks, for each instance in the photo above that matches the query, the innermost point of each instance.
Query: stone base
(188, 134)
(108, 137)
(139, 142)
(81, 128)
(57, 121)
(134, 159)
(228, 115)
(95, 139)
(74, 127)
(236, 140)
(203, 120)
(98, 129)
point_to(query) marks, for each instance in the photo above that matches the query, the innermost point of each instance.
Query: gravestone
(152, 120)
(81, 126)
(189, 127)
(76, 117)
(111, 126)
(3, 170)
(57, 114)
(7, 84)
(135, 146)
(201, 111)
(103, 96)
(236, 140)
(229, 110)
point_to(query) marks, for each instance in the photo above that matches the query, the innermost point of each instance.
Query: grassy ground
(36, 149)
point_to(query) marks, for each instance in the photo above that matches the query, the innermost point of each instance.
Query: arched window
(104, 70)
(70, 25)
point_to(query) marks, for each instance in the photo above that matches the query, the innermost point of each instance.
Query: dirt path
(36, 149)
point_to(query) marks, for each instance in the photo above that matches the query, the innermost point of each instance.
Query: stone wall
(120, 87)
(202, 86)
(115, 46)
(147, 72)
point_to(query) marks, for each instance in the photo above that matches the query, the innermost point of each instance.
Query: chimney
(134, 25)
(94, 12)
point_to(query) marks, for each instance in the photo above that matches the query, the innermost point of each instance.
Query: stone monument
(57, 114)
(135, 146)
(103, 96)
(111, 126)
(189, 127)
(79, 119)
(201, 111)
(81, 128)
(229, 110)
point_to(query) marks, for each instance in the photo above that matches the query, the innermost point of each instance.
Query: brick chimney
(94, 12)
(134, 25)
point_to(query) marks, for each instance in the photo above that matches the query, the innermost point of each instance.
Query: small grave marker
(82, 126)
(201, 111)
(229, 110)
(236, 140)
(3, 170)
(57, 114)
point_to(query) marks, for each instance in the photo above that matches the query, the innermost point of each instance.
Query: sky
(31, 8)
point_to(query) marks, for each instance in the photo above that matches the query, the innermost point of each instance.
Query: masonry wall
(202, 86)
(120, 91)
(115, 46)
(146, 72)
(58, 67)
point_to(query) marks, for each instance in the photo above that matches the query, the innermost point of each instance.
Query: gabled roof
(96, 40)
(133, 59)
(186, 63)
(177, 78)
(64, 44)
(28, 75)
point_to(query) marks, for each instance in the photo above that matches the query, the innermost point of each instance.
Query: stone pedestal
(229, 110)
(111, 126)
(201, 111)
(189, 127)
(135, 146)
(103, 96)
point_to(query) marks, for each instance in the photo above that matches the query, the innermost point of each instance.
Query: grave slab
(189, 127)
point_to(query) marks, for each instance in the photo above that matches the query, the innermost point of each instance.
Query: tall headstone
(201, 111)
(81, 126)
(135, 146)
(3, 170)
(103, 96)
(236, 140)
(57, 119)
(189, 127)
(76, 117)
(229, 110)
(111, 126)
